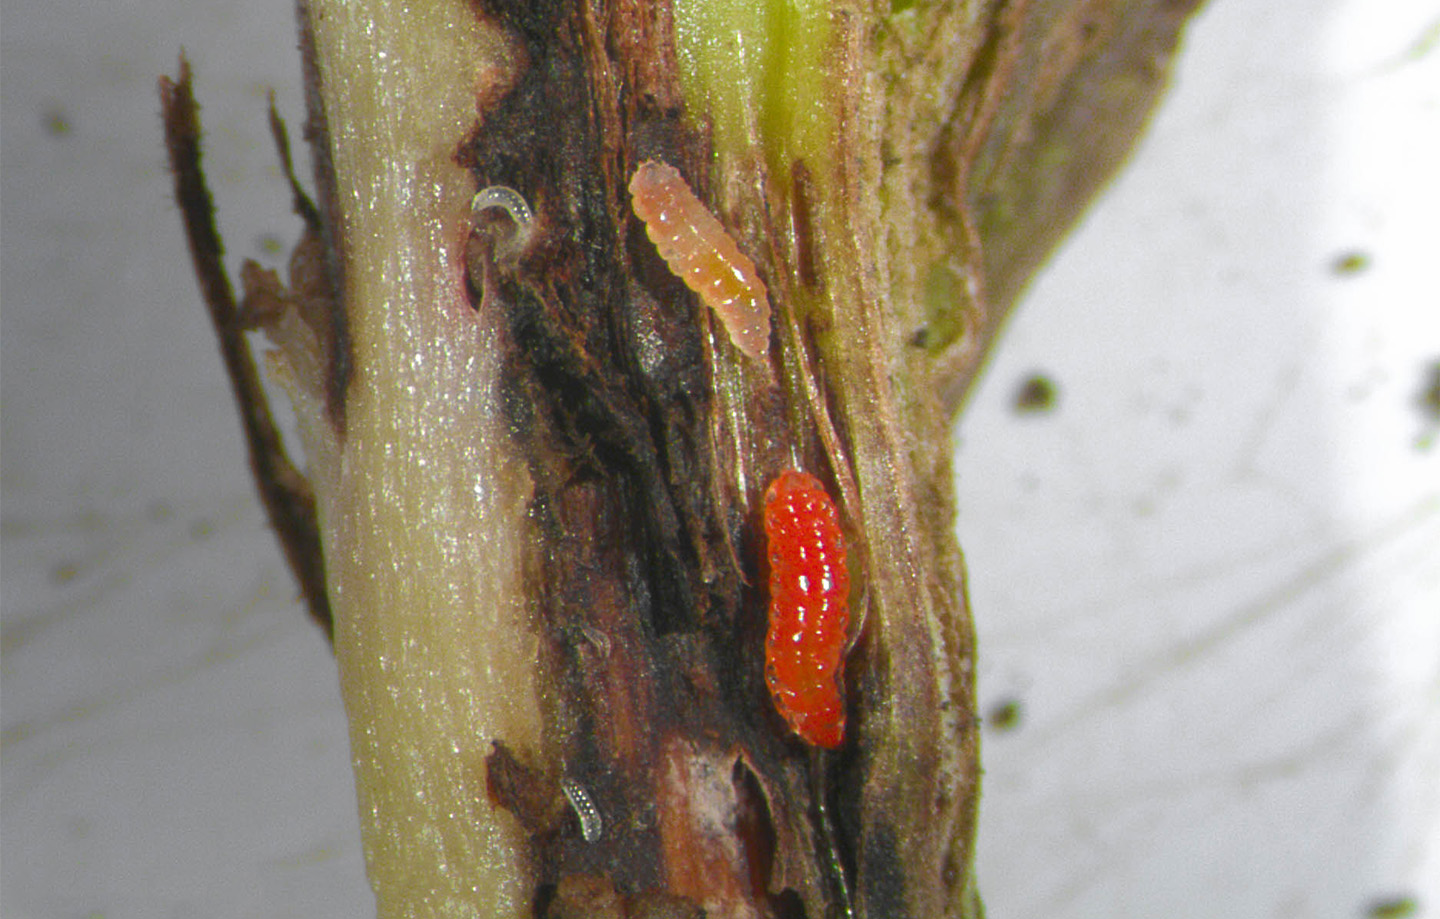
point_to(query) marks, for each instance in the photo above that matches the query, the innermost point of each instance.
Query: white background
(1208, 579)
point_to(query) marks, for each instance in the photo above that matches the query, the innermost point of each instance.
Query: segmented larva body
(809, 608)
(506, 198)
(591, 825)
(513, 203)
(701, 253)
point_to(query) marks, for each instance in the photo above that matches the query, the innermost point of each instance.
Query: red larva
(809, 608)
(701, 253)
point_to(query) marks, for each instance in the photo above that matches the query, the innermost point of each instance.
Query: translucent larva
(701, 253)
(506, 198)
(809, 608)
(591, 825)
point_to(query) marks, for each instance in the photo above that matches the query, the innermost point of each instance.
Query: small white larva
(591, 825)
(507, 198)
(701, 253)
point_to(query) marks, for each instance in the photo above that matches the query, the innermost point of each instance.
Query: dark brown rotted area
(645, 551)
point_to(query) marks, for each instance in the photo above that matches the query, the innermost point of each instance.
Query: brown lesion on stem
(647, 545)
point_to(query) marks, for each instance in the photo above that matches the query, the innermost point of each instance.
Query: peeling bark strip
(1057, 97)
(285, 492)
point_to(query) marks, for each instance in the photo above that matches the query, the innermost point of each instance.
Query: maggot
(702, 254)
(591, 824)
(506, 198)
(809, 608)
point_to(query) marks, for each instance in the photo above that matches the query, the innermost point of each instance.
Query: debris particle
(1427, 402)
(1429, 397)
(1037, 394)
(1393, 907)
(1350, 263)
(56, 121)
(1005, 715)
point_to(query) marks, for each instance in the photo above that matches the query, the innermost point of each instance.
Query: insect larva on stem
(591, 825)
(702, 254)
(506, 198)
(512, 202)
(809, 608)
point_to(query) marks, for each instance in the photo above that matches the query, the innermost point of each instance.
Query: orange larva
(698, 249)
(809, 608)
